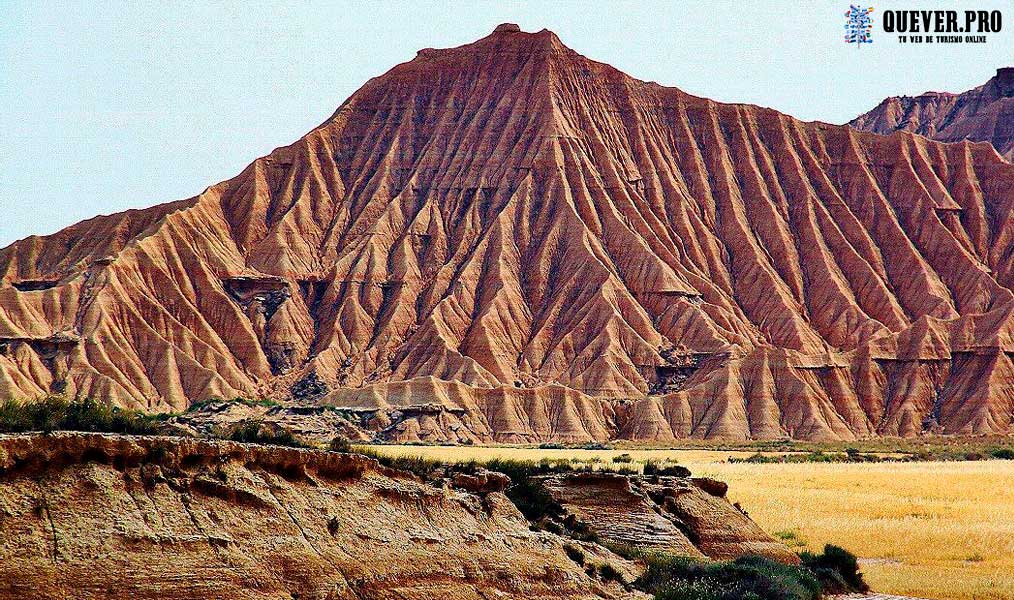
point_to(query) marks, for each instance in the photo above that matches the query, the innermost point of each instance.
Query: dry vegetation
(927, 529)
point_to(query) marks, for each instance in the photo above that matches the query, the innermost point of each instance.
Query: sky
(106, 106)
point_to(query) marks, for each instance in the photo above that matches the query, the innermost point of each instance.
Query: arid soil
(983, 114)
(102, 516)
(509, 242)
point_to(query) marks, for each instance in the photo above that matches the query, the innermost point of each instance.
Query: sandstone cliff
(983, 114)
(99, 516)
(507, 241)
(681, 515)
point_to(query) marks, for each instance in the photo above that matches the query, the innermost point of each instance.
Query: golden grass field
(937, 530)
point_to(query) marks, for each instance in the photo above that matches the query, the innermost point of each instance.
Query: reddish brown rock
(983, 114)
(508, 241)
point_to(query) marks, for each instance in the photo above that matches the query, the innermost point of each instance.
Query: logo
(858, 25)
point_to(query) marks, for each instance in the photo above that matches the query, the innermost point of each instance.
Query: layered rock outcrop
(549, 250)
(683, 515)
(982, 114)
(99, 516)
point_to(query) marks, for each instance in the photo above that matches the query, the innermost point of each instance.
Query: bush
(609, 573)
(837, 569)
(623, 458)
(257, 432)
(574, 553)
(340, 444)
(526, 493)
(55, 413)
(671, 577)
(653, 468)
(1003, 453)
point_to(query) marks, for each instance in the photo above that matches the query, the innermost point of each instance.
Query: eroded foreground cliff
(110, 516)
(507, 241)
(102, 516)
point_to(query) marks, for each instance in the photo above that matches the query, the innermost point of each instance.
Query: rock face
(507, 241)
(983, 114)
(95, 516)
(686, 516)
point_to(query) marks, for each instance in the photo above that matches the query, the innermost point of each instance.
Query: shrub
(1003, 453)
(257, 432)
(340, 444)
(86, 414)
(609, 573)
(671, 577)
(574, 553)
(526, 493)
(623, 458)
(653, 468)
(837, 569)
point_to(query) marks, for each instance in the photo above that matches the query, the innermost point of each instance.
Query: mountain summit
(985, 113)
(507, 241)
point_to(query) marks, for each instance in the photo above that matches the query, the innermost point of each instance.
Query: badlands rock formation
(507, 241)
(682, 515)
(96, 516)
(983, 114)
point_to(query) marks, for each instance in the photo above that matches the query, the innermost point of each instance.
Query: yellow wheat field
(926, 529)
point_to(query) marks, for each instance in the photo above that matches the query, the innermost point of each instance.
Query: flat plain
(929, 529)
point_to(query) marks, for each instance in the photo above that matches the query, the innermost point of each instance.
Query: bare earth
(509, 242)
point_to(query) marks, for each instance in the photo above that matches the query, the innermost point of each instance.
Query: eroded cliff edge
(104, 516)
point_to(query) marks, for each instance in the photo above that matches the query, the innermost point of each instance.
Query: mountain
(983, 114)
(507, 241)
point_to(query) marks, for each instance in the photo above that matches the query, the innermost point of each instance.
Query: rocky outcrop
(508, 241)
(682, 515)
(983, 114)
(101, 516)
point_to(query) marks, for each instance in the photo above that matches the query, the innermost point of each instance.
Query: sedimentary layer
(100, 516)
(682, 515)
(982, 114)
(550, 250)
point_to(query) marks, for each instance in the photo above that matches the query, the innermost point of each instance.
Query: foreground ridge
(507, 241)
(104, 516)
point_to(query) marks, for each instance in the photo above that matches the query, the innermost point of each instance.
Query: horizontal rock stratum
(507, 241)
(98, 516)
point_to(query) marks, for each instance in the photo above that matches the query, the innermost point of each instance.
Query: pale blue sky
(106, 106)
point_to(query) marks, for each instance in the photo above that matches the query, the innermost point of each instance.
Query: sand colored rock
(99, 516)
(686, 516)
(983, 114)
(508, 241)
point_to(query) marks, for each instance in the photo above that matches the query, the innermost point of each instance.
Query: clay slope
(983, 114)
(94, 516)
(573, 253)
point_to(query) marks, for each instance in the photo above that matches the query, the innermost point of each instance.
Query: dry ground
(928, 529)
